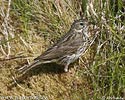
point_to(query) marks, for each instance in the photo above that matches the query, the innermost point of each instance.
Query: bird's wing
(67, 45)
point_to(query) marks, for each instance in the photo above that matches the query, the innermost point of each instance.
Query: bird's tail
(26, 68)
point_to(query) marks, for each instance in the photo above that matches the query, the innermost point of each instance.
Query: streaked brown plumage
(68, 49)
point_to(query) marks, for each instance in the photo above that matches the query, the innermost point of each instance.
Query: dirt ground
(48, 82)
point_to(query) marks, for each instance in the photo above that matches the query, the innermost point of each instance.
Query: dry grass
(28, 28)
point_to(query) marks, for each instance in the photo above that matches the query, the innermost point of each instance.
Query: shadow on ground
(51, 69)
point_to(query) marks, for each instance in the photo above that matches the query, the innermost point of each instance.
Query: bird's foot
(66, 69)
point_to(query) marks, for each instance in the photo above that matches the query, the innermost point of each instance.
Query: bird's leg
(66, 68)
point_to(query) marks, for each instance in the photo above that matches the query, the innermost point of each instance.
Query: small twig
(24, 89)
(6, 27)
(27, 45)
(100, 46)
(2, 50)
(12, 58)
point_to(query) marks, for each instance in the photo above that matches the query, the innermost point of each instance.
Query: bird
(67, 49)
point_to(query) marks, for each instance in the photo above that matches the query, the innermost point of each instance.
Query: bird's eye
(81, 24)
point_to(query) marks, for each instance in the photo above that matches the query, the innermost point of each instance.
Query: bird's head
(81, 26)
